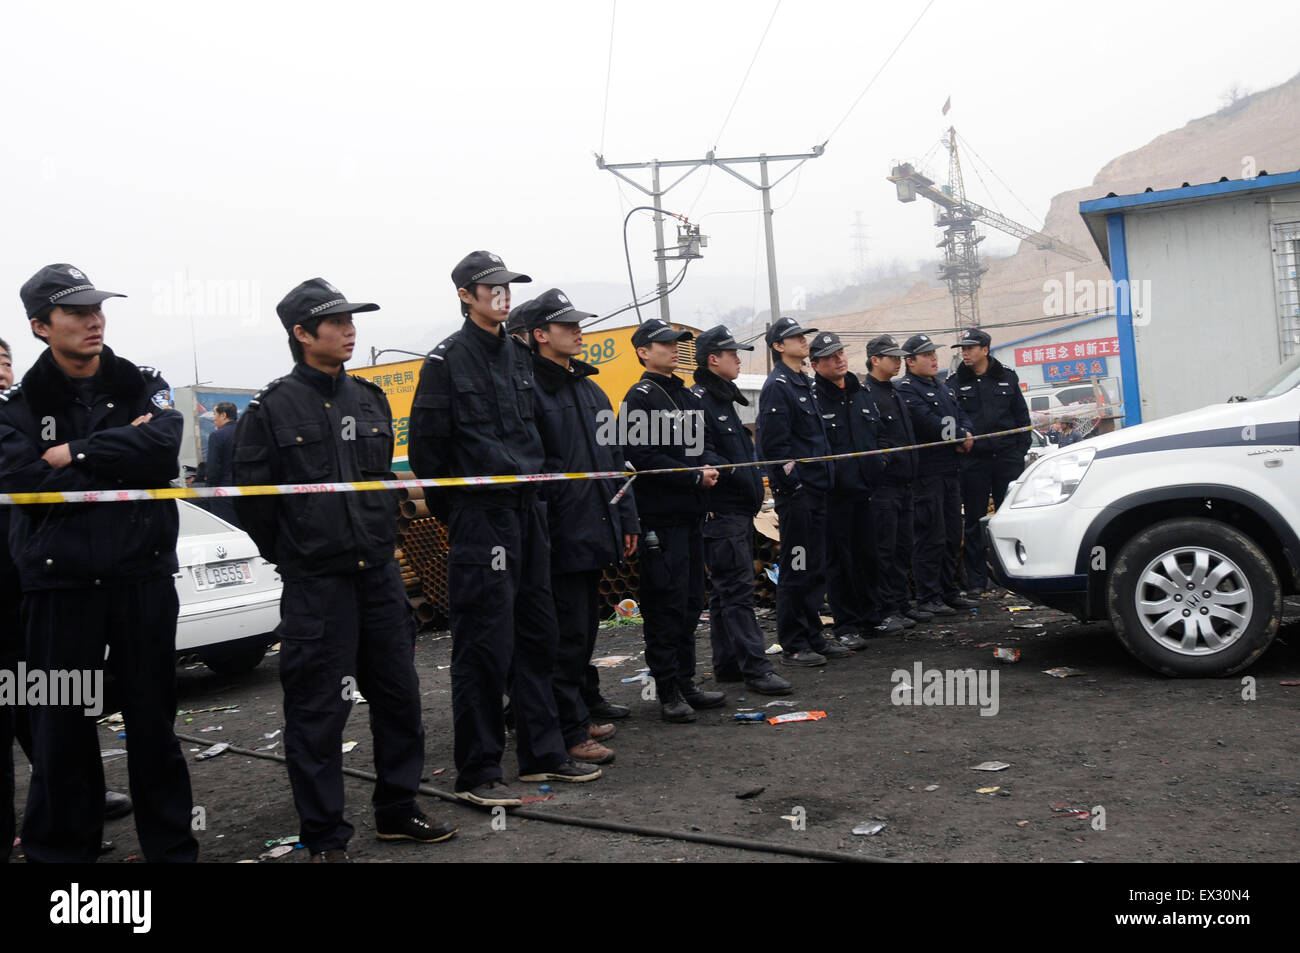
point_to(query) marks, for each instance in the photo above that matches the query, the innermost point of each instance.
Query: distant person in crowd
(221, 459)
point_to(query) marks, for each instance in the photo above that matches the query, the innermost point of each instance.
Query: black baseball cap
(884, 346)
(918, 344)
(716, 339)
(549, 307)
(825, 344)
(786, 328)
(61, 285)
(316, 298)
(483, 268)
(516, 323)
(657, 330)
(974, 337)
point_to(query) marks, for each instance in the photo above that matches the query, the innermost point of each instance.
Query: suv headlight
(1053, 479)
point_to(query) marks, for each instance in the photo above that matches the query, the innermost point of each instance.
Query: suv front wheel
(1194, 597)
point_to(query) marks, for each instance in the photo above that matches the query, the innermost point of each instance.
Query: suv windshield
(1281, 381)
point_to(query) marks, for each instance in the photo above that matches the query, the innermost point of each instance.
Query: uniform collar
(485, 339)
(719, 388)
(551, 376)
(668, 382)
(327, 385)
(45, 385)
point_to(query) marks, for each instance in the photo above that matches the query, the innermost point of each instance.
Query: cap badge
(76, 274)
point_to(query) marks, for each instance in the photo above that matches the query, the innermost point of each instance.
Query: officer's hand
(709, 476)
(970, 442)
(142, 419)
(59, 456)
(629, 545)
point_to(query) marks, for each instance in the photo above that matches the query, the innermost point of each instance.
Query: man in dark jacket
(345, 623)
(474, 413)
(989, 395)
(660, 428)
(95, 575)
(221, 459)
(891, 502)
(850, 420)
(588, 532)
(790, 425)
(738, 643)
(937, 491)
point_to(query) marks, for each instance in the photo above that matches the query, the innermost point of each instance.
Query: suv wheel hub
(1214, 612)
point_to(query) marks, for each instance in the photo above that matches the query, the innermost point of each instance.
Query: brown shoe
(591, 752)
(602, 732)
(336, 856)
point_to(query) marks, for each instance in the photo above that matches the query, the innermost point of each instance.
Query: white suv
(1183, 532)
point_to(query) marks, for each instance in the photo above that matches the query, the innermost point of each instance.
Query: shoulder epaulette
(368, 382)
(439, 351)
(257, 398)
(642, 388)
(698, 390)
(147, 371)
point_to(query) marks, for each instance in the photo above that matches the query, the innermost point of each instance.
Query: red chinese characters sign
(1066, 351)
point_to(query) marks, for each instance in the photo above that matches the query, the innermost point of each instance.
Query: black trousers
(850, 564)
(891, 520)
(339, 633)
(502, 620)
(982, 477)
(672, 598)
(937, 507)
(67, 630)
(577, 614)
(801, 584)
(13, 718)
(737, 640)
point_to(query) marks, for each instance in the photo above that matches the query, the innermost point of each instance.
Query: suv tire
(1194, 597)
(236, 659)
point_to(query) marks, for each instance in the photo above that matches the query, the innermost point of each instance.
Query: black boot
(675, 708)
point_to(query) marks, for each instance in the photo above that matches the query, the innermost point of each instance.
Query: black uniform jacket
(992, 401)
(935, 415)
(851, 426)
(894, 430)
(474, 415)
(577, 426)
(308, 428)
(85, 545)
(659, 435)
(790, 425)
(738, 490)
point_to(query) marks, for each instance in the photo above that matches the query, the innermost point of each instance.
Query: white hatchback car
(1184, 532)
(229, 594)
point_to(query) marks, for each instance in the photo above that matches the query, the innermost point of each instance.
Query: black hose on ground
(716, 840)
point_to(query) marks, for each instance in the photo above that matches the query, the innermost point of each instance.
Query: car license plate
(217, 575)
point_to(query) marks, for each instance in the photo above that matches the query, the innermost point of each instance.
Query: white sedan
(229, 594)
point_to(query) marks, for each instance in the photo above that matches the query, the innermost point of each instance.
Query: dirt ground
(1168, 770)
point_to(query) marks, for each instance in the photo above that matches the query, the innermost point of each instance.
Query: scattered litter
(752, 792)
(1017, 608)
(544, 788)
(287, 840)
(271, 747)
(534, 798)
(779, 703)
(1064, 810)
(271, 734)
(115, 720)
(204, 711)
(1006, 655)
(210, 728)
(443, 668)
(438, 772)
(276, 852)
(641, 676)
(796, 716)
(774, 649)
(609, 661)
(628, 609)
(1028, 625)
(1063, 671)
(112, 752)
(947, 632)
(869, 830)
(348, 746)
(987, 790)
(932, 787)
(791, 817)
(1021, 823)
(212, 752)
(773, 573)
(827, 620)
(749, 716)
(991, 766)
(359, 698)
(1289, 684)
(121, 734)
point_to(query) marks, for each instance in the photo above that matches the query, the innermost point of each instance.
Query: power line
(994, 173)
(752, 60)
(878, 72)
(609, 69)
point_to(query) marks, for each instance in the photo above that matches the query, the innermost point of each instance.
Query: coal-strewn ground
(1180, 770)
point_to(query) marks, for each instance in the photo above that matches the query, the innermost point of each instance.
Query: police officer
(850, 420)
(588, 533)
(345, 623)
(474, 414)
(891, 502)
(790, 425)
(937, 491)
(663, 429)
(13, 718)
(989, 395)
(738, 644)
(95, 575)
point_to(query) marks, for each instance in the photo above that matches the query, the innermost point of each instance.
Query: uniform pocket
(304, 450)
(374, 443)
(472, 404)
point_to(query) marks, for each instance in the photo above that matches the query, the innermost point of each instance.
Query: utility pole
(657, 192)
